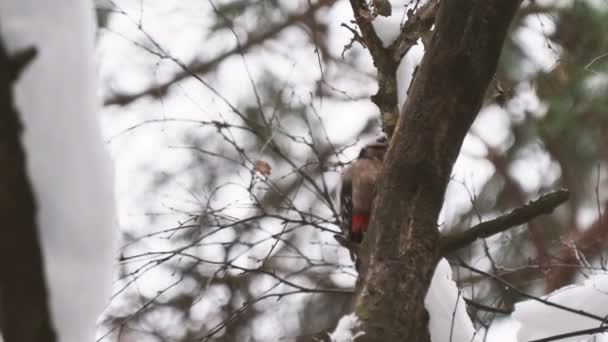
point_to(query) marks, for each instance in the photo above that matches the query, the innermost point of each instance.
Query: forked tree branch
(387, 59)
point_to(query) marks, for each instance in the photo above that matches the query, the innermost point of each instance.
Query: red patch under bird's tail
(358, 226)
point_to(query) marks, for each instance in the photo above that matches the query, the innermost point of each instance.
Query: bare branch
(573, 334)
(542, 206)
(199, 67)
(483, 307)
(535, 298)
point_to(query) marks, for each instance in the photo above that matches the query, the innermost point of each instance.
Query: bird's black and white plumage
(358, 190)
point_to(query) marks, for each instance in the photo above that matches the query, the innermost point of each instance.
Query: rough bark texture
(24, 313)
(459, 64)
(386, 59)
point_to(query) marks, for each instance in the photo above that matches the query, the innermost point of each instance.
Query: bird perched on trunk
(358, 189)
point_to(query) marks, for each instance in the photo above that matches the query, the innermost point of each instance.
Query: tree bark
(24, 311)
(445, 98)
(387, 59)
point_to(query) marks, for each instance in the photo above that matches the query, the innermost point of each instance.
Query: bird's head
(375, 150)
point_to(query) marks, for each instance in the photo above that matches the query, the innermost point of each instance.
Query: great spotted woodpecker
(358, 189)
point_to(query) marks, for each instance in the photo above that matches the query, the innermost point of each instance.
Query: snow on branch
(448, 317)
(388, 40)
(551, 301)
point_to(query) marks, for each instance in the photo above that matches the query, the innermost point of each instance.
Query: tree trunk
(445, 98)
(24, 311)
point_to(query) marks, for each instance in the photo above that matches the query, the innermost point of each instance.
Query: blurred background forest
(231, 120)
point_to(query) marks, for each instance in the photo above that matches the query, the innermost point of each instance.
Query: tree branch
(200, 67)
(417, 26)
(483, 307)
(363, 17)
(573, 334)
(387, 59)
(589, 241)
(506, 284)
(542, 206)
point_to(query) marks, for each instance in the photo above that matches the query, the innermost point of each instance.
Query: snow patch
(405, 72)
(347, 330)
(449, 321)
(539, 320)
(388, 28)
